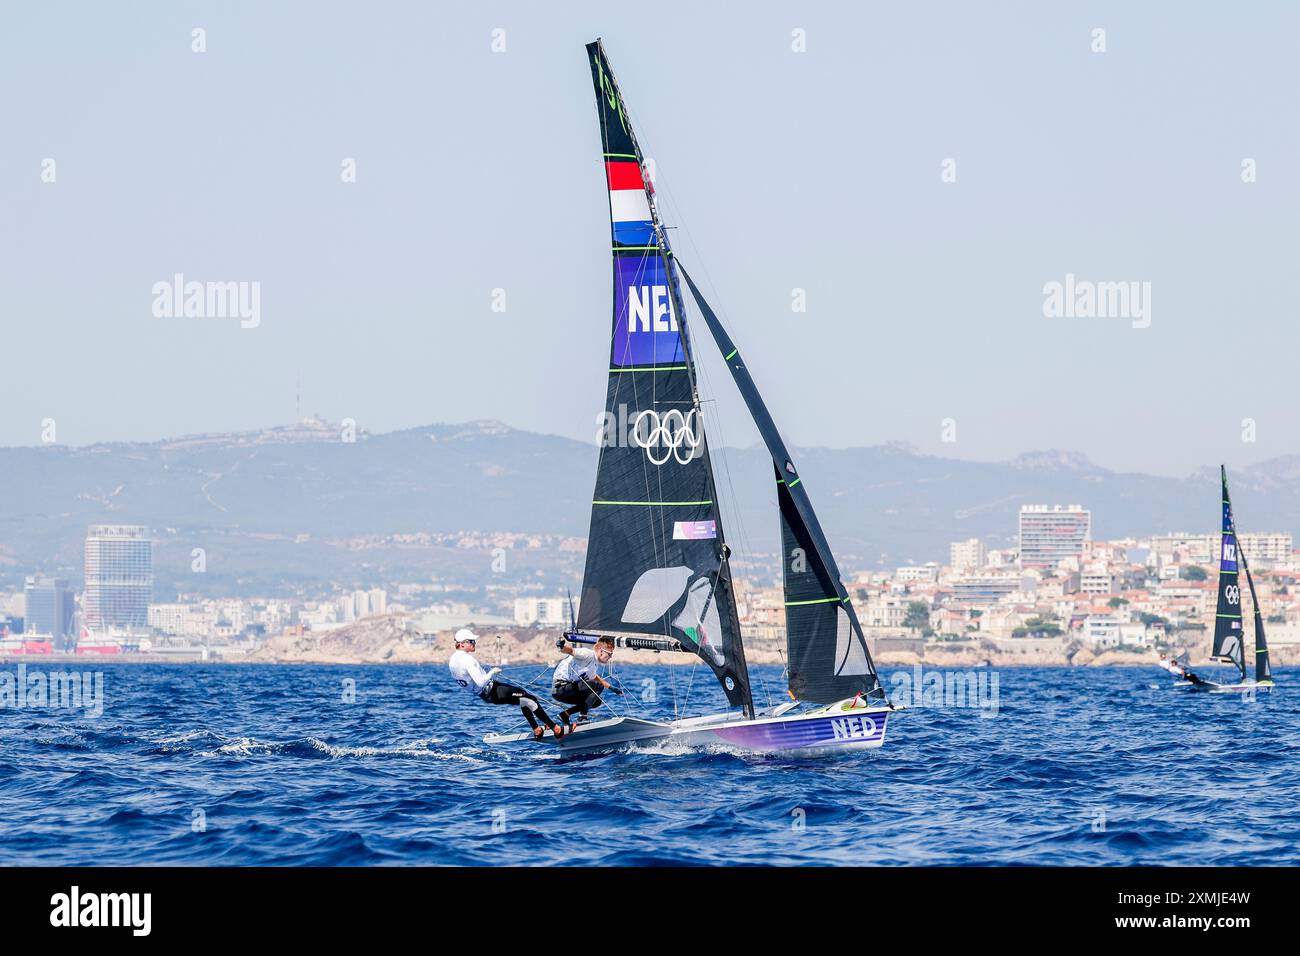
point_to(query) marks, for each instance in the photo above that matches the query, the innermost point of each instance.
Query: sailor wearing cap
(469, 673)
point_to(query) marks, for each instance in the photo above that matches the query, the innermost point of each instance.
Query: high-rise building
(49, 609)
(966, 554)
(119, 576)
(1052, 533)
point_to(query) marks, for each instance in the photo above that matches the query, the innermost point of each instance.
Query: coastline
(388, 639)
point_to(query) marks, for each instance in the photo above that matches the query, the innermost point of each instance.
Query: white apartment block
(1096, 581)
(887, 611)
(1183, 548)
(985, 589)
(1261, 547)
(359, 604)
(1271, 547)
(184, 620)
(168, 618)
(546, 612)
(1108, 631)
(917, 574)
(966, 554)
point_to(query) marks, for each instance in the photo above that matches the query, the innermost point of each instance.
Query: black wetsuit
(583, 694)
(499, 692)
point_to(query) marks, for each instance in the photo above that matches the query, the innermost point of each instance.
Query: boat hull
(831, 730)
(1213, 688)
(807, 734)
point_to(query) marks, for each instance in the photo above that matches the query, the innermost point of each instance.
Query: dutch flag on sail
(629, 209)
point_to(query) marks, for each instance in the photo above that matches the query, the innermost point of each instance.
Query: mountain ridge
(285, 507)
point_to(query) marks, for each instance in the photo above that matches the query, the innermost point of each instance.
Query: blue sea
(375, 765)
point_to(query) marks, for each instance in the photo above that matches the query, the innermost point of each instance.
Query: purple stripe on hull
(826, 731)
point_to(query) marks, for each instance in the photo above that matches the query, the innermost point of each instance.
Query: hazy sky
(818, 170)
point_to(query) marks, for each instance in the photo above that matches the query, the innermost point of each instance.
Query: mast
(655, 509)
(829, 658)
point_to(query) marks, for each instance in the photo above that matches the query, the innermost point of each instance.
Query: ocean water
(276, 765)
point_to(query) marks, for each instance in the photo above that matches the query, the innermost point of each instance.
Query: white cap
(465, 634)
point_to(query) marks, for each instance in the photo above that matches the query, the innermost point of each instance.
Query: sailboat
(1229, 634)
(658, 574)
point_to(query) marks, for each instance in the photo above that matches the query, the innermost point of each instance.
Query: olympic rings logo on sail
(669, 434)
(1233, 593)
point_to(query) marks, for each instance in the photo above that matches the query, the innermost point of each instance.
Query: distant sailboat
(658, 575)
(1229, 634)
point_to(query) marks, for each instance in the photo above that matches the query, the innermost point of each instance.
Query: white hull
(1214, 688)
(838, 727)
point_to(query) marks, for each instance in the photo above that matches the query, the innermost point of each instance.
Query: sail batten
(656, 556)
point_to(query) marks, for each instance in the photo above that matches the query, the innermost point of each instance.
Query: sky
(821, 170)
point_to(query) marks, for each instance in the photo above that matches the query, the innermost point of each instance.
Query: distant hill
(299, 509)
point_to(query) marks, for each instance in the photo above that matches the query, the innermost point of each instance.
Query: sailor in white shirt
(469, 673)
(576, 682)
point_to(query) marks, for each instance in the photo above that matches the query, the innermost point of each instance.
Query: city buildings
(119, 577)
(1263, 548)
(361, 604)
(1060, 585)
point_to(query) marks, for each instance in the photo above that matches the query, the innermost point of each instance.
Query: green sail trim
(650, 368)
(654, 504)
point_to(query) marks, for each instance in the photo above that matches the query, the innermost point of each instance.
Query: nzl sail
(829, 660)
(1229, 635)
(656, 556)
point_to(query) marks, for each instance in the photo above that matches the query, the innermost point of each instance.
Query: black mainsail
(828, 655)
(1229, 634)
(1228, 639)
(656, 557)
